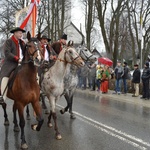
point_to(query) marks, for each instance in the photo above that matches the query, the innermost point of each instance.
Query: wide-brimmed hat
(15, 29)
(64, 36)
(45, 37)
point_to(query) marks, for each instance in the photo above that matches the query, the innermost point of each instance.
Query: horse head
(86, 54)
(71, 56)
(33, 50)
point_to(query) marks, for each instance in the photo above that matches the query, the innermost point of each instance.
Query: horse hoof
(62, 111)
(34, 126)
(58, 137)
(72, 116)
(16, 129)
(28, 117)
(46, 111)
(6, 123)
(24, 146)
(50, 125)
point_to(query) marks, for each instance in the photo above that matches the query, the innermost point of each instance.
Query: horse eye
(85, 49)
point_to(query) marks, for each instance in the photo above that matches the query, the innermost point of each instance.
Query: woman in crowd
(104, 79)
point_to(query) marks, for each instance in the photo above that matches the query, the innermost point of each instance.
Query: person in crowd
(145, 81)
(98, 76)
(92, 76)
(136, 80)
(84, 76)
(105, 79)
(119, 72)
(59, 45)
(13, 51)
(125, 76)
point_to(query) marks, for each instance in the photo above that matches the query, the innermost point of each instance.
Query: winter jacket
(119, 72)
(146, 74)
(11, 53)
(136, 76)
(126, 73)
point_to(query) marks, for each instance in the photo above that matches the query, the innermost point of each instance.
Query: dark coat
(136, 76)
(11, 57)
(57, 46)
(146, 73)
(126, 73)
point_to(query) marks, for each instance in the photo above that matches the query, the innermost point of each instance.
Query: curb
(122, 98)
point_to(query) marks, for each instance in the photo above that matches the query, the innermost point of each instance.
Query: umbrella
(105, 61)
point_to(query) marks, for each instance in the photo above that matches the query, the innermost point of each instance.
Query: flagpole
(33, 21)
(141, 41)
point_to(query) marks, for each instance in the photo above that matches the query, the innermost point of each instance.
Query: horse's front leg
(6, 122)
(38, 111)
(53, 114)
(22, 125)
(62, 111)
(58, 135)
(72, 115)
(16, 127)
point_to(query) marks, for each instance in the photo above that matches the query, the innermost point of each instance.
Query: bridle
(82, 52)
(72, 59)
(31, 55)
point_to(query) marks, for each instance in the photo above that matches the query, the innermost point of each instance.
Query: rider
(48, 52)
(59, 45)
(13, 56)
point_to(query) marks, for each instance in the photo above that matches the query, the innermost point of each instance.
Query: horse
(25, 88)
(53, 82)
(71, 79)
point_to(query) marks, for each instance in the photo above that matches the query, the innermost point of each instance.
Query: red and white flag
(31, 12)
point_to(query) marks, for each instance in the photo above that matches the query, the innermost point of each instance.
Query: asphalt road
(103, 122)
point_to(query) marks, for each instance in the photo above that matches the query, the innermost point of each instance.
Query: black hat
(147, 64)
(136, 65)
(125, 63)
(64, 36)
(17, 29)
(45, 37)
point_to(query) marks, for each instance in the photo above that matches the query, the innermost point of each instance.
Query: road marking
(109, 130)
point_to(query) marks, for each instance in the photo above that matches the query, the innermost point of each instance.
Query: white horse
(53, 82)
(71, 79)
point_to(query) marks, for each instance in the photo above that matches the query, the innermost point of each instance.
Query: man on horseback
(13, 56)
(59, 45)
(48, 54)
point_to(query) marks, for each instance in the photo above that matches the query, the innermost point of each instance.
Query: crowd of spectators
(96, 77)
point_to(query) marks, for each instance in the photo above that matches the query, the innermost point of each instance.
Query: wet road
(104, 122)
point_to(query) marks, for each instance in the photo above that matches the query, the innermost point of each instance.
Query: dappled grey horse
(71, 79)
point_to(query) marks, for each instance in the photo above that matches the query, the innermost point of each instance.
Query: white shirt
(20, 52)
(46, 56)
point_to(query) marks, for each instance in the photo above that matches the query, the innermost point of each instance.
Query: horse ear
(70, 43)
(28, 36)
(38, 35)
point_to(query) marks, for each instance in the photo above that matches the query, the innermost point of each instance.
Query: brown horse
(25, 88)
